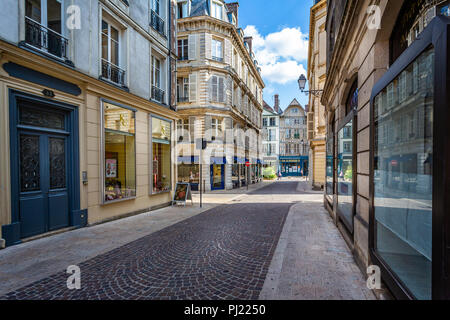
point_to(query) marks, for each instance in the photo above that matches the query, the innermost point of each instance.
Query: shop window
(189, 173)
(330, 167)
(403, 177)
(120, 153)
(345, 174)
(161, 155)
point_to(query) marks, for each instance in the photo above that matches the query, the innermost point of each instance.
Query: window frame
(184, 49)
(150, 159)
(215, 44)
(102, 151)
(440, 216)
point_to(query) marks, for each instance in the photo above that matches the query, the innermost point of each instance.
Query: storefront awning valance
(239, 160)
(218, 160)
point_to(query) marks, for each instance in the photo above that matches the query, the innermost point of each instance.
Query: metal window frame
(437, 35)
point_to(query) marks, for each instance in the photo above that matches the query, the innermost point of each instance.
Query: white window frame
(216, 10)
(217, 49)
(184, 9)
(154, 69)
(184, 47)
(216, 127)
(119, 31)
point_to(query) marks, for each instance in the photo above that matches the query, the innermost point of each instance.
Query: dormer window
(216, 10)
(182, 9)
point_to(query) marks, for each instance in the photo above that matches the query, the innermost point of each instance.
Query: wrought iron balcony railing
(113, 73)
(45, 39)
(183, 58)
(157, 23)
(158, 94)
(183, 99)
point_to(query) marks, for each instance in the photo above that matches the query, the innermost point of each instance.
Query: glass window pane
(114, 53)
(161, 129)
(57, 150)
(345, 173)
(120, 153)
(38, 117)
(54, 15)
(120, 166)
(104, 27)
(105, 47)
(118, 119)
(33, 10)
(161, 167)
(114, 34)
(403, 180)
(30, 172)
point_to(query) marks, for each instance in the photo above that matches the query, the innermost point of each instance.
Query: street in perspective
(242, 154)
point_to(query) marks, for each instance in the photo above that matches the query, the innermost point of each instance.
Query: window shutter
(208, 40)
(208, 128)
(228, 126)
(193, 87)
(192, 45)
(227, 51)
(310, 125)
(221, 89)
(214, 85)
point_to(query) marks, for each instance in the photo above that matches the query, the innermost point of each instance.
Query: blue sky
(280, 30)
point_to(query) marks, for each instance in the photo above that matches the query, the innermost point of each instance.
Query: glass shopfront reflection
(345, 174)
(330, 169)
(403, 114)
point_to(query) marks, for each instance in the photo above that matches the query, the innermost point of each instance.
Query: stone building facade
(384, 92)
(294, 149)
(87, 101)
(316, 78)
(219, 89)
(271, 137)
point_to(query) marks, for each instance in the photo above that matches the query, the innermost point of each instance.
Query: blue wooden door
(43, 192)
(217, 177)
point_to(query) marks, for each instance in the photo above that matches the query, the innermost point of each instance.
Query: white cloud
(280, 54)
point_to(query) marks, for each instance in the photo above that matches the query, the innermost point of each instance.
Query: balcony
(45, 39)
(157, 23)
(158, 94)
(182, 99)
(183, 58)
(113, 73)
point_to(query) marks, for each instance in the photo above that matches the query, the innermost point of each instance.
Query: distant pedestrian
(279, 175)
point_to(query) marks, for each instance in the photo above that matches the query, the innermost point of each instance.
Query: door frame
(77, 217)
(222, 185)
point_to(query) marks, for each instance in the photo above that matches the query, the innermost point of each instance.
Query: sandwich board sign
(182, 194)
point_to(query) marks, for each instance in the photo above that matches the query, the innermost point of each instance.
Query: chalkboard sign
(182, 194)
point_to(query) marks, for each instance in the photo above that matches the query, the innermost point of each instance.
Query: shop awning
(239, 160)
(187, 160)
(218, 160)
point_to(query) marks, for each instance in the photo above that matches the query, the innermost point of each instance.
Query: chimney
(249, 41)
(277, 103)
(234, 8)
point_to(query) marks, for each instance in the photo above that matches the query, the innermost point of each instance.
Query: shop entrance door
(217, 177)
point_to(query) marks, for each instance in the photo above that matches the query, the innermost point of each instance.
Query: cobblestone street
(222, 253)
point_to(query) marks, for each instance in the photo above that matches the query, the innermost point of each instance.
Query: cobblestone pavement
(223, 253)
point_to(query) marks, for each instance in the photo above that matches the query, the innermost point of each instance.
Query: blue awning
(218, 160)
(187, 160)
(239, 160)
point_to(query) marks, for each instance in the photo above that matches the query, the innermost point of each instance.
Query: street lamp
(302, 84)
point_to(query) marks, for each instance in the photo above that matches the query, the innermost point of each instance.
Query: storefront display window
(345, 174)
(403, 158)
(119, 153)
(161, 155)
(189, 173)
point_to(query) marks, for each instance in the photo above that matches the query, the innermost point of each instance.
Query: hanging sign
(182, 194)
